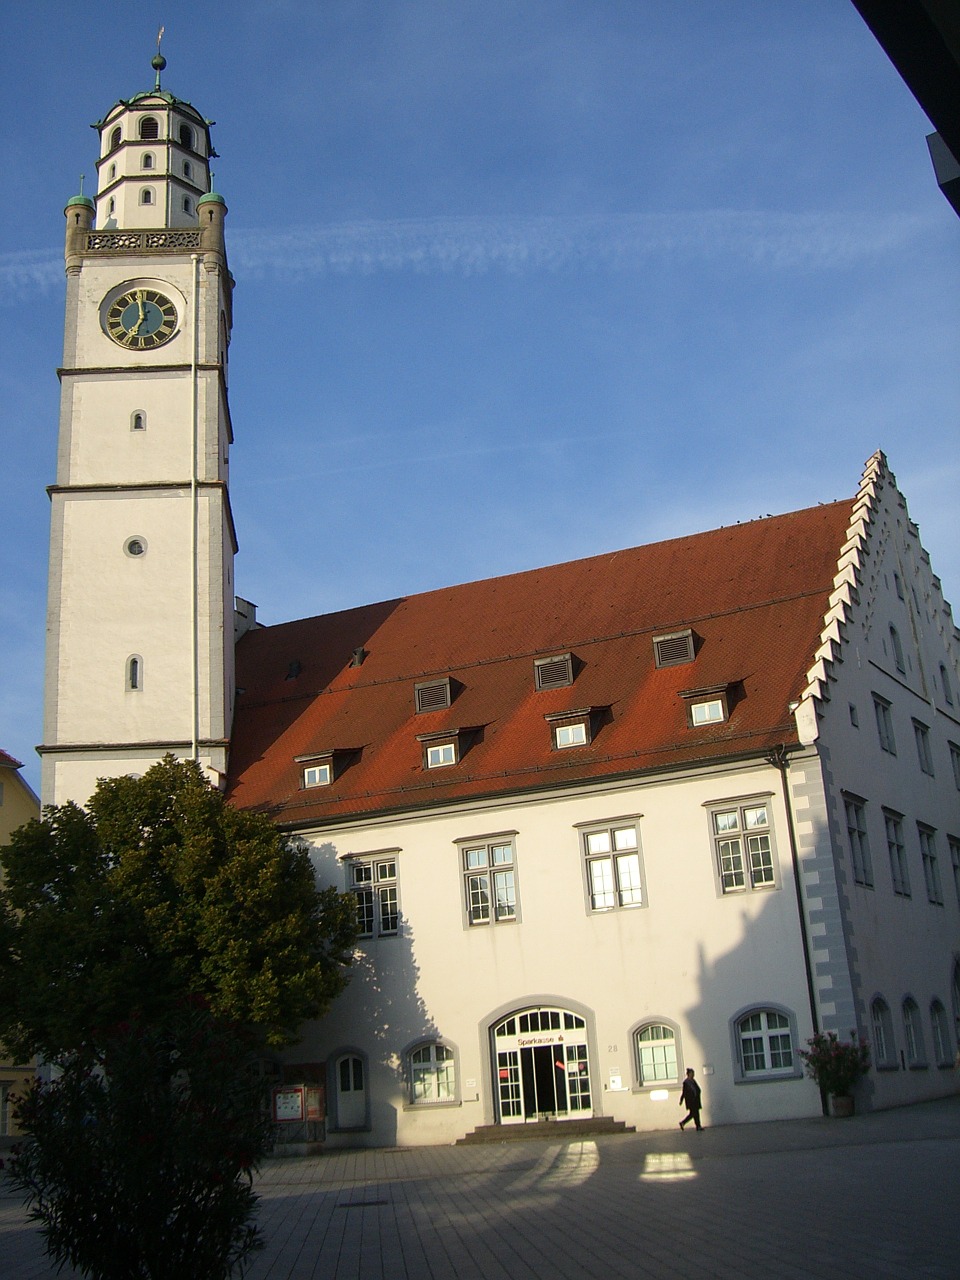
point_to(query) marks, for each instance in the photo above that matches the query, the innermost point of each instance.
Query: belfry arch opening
(541, 1066)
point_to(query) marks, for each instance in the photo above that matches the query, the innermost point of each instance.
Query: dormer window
(707, 706)
(432, 695)
(441, 754)
(553, 673)
(573, 728)
(317, 775)
(673, 648)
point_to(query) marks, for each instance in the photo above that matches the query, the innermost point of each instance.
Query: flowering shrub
(137, 1161)
(836, 1065)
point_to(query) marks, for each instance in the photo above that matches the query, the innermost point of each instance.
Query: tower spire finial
(158, 61)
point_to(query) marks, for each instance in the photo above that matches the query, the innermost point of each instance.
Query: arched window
(955, 995)
(765, 1045)
(897, 650)
(146, 196)
(884, 1049)
(657, 1047)
(115, 137)
(149, 129)
(134, 673)
(186, 136)
(913, 1034)
(941, 1034)
(433, 1075)
(138, 420)
(187, 205)
(111, 206)
(187, 169)
(113, 172)
(146, 160)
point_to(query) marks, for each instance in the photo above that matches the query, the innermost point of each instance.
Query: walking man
(690, 1098)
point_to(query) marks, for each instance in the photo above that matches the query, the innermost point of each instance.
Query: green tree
(156, 891)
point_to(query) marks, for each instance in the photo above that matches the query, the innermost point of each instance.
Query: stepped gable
(755, 596)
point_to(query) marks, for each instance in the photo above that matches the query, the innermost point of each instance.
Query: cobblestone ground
(875, 1196)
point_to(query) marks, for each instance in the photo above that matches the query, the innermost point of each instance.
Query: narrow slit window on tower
(138, 420)
(113, 172)
(149, 129)
(146, 196)
(187, 169)
(146, 161)
(111, 206)
(134, 673)
(187, 205)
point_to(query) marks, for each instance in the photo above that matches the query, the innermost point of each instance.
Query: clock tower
(140, 612)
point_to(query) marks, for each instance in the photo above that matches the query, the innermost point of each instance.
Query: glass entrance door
(543, 1070)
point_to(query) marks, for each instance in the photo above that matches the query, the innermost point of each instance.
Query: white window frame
(921, 733)
(317, 775)
(614, 875)
(710, 711)
(570, 735)
(884, 1044)
(767, 1040)
(916, 1049)
(858, 841)
(897, 853)
(885, 733)
(658, 1062)
(440, 755)
(940, 1032)
(489, 880)
(433, 1074)
(928, 856)
(741, 863)
(374, 880)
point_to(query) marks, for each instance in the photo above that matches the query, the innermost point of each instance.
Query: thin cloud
(476, 245)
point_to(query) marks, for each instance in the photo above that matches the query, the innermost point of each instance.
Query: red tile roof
(7, 761)
(754, 594)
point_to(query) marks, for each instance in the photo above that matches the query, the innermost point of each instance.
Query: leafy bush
(836, 1065)
(138, 1159)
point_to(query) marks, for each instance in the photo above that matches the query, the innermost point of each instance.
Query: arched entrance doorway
(542, 1068)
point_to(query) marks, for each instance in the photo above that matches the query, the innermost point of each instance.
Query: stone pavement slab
(867, 1198)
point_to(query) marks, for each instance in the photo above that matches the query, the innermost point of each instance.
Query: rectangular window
(884, 725)
(570, 735)
(614, 873)
(707, 712)
(317, 775)
(859, 845)
(922, 735)
(442, 754)
(931, 871)
(374, 884)
(743, 848)
(954, 844)
(898, 854)
(489, 881)
(955, 762)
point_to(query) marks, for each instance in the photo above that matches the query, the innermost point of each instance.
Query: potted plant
(836, 1065)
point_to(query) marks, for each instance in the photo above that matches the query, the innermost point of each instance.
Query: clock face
(142, 319)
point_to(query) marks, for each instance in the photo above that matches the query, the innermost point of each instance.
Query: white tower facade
(140, 612)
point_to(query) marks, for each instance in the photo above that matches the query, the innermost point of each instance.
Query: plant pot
(841, 1106)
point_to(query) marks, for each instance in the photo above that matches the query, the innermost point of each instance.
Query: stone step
(549, 1130)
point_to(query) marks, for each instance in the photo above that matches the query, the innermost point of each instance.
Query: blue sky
(518, 281)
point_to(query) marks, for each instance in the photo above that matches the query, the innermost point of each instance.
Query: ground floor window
(941, 1035)
(433, 1074)
(765, 1044)
(657, 1054)
(884, 1049)
(913, 1034)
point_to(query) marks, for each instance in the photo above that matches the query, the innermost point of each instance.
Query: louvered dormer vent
(672, 649)
(553, 673)
(432, 696)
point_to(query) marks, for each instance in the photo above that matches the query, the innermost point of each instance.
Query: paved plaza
(873, 1196)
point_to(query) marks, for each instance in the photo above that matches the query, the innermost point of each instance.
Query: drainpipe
(194, 516)
(779, 758)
